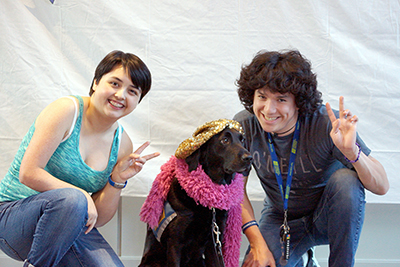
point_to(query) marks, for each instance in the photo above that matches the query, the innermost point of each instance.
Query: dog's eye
(225, 141)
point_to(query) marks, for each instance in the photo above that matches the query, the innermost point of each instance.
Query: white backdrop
(194, 49)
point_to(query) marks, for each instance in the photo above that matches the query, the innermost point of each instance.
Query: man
(312, 165)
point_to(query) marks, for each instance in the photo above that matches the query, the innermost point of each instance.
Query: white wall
(194, 49)
(378, 242)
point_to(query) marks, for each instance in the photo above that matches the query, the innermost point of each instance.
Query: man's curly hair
(281, 72)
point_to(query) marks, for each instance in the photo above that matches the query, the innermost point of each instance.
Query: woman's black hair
(137, 70)
(280, 72)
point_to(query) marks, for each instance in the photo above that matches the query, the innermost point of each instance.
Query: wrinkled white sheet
(194, 50)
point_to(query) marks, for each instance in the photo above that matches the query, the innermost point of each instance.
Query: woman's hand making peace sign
(132, 164)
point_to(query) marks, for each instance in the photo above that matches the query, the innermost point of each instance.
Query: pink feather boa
(206, 193)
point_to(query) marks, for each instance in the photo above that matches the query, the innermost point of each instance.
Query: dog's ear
(193, 160)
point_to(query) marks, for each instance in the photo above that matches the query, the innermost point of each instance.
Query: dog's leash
(219, 259)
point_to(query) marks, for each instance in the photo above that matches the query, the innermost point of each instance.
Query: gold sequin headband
(203, 133)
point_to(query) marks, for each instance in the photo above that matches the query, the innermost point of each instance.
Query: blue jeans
(337, 222)
(48, 229)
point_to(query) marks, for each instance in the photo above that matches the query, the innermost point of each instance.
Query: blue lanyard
(275, 162)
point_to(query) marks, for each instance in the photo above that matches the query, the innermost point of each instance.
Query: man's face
(277, 113)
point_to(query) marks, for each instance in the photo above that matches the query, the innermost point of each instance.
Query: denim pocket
(9, 251)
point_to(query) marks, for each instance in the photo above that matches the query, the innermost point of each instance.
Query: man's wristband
(248, 224)
(115, 184)
(358, 156)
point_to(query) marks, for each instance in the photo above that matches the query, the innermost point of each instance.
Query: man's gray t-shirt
(317, 157)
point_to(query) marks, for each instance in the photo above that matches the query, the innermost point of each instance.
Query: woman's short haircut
(137, 70)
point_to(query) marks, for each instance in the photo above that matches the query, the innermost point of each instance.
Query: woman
(67, 176)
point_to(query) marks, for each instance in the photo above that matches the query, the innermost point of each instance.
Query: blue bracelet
(358, 156)
(115, 184)
(248, 224)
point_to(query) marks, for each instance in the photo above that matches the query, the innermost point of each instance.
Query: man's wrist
(358, 155)
(249, 224)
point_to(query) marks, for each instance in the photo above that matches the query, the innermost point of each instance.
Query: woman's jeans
(337, 221)
(48, 229)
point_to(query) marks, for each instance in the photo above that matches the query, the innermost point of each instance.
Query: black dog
(188, 239)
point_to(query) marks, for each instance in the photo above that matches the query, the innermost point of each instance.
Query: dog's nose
(247, 157)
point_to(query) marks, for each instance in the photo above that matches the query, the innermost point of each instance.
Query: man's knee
(344, 178)
(344, 184)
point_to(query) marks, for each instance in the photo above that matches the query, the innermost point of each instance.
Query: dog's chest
(191, 215)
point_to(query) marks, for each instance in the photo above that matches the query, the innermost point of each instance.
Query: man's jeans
(337, 221)
(48, 229)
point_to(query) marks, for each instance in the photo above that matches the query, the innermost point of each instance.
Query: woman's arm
(259, 255)
(107, 199)
(128, 165)
(51, 126)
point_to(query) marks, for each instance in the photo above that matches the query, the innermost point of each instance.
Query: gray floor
(378, 243)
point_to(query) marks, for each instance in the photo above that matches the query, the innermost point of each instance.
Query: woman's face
(116, 93)
(277, 113)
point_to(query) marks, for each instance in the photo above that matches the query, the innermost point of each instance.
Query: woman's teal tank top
(66, 164)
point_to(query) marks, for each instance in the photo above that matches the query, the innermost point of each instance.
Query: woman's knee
(70, 200)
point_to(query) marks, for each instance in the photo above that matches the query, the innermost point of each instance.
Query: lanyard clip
(285, 220)
(285, 240)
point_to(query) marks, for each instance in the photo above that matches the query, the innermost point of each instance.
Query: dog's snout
(247, 157)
